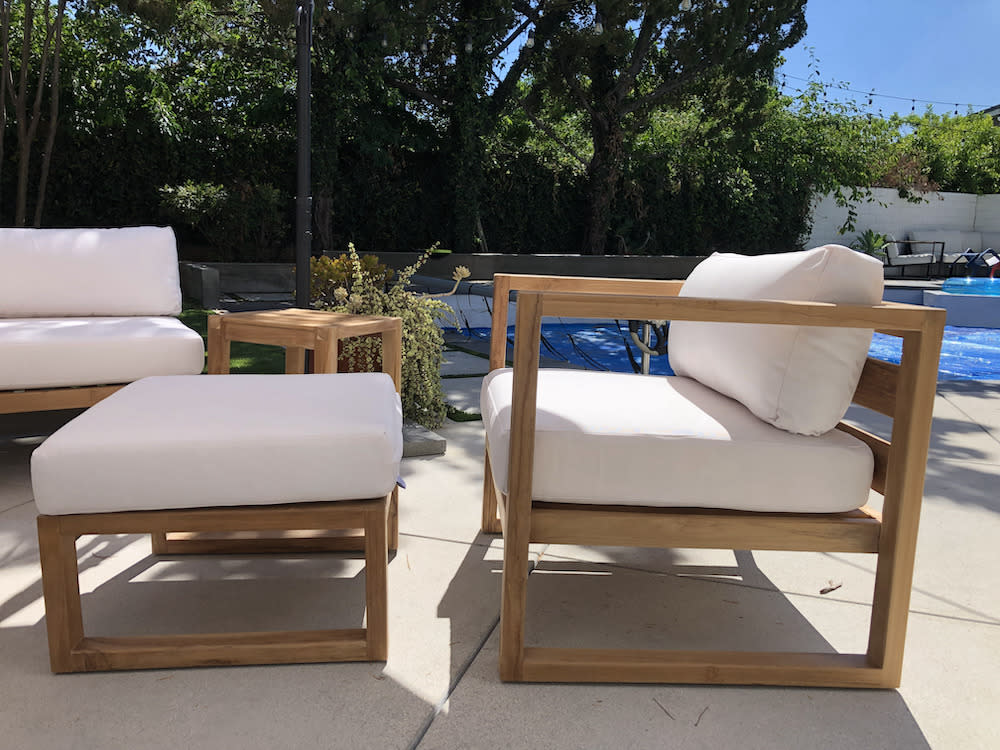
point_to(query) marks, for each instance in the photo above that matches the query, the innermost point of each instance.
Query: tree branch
(665, 89)
(413, 90)
(551, 133)
(640, 52)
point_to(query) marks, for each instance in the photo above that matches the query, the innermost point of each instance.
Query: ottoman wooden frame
(70, 650)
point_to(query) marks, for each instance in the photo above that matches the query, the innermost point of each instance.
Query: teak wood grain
(70, 650)
(904, 392)
(48, 399)
(298, 330)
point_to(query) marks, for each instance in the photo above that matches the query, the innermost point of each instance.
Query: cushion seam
(795, 343)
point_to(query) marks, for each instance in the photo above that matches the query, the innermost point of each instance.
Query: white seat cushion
(797, 378)
(57, 352)
(49, 273)
(918, 259)
(224, 440)
(620, 439)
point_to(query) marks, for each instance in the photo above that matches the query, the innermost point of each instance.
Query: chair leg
(513, 605)
(61, 589)
(376, 584)
(490, 521)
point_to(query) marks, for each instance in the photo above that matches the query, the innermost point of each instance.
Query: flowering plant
(368, 291)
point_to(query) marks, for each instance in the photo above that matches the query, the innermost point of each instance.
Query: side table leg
(392, 353)
(218, 347)
(325, 354)
(295, 360)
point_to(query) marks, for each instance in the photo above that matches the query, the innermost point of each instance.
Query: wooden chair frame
(72, 651)
(49, 399)
(904, 392)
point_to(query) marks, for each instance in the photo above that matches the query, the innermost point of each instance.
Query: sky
(942, 51)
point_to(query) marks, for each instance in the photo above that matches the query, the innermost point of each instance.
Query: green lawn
(246, 358)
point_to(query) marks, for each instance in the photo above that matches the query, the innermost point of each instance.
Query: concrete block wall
(890, 214)
(988, 214)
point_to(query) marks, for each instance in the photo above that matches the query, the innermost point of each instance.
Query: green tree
(27, 82)
(643, 56)
(960, 153)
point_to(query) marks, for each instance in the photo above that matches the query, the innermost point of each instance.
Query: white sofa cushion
(58, 352)
(224, 440)
(796, 378)
(74, 272)
(622, 439)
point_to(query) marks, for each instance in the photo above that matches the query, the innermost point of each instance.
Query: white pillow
(51, 273)
(800, 379)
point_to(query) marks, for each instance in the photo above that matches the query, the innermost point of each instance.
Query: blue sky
(930, 50)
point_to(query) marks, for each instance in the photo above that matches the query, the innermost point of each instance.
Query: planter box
(206, 283)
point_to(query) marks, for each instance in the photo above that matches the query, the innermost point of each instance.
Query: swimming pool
(984, 286)
(966, 353)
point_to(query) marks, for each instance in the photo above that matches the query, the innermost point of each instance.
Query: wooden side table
(297, 330)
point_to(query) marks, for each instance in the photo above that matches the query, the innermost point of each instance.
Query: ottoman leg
(393, 525)
(159, 540)
(376, 584)
(61, 589)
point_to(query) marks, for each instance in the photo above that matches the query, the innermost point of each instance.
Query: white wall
(988, 214)
(890, 214)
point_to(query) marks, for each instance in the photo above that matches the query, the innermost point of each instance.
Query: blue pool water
(966, 353)
(984, 286)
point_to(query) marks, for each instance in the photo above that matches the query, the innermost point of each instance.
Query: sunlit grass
(245, 358)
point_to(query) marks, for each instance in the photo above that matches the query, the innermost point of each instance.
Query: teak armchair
(903, 392)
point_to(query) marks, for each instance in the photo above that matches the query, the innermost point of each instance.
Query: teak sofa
(85, 311)
(744, 449)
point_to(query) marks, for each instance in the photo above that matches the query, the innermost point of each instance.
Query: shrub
(242, 220)
(329, 274)
(366, 292)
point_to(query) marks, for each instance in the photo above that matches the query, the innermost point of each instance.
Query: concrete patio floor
(439, 688)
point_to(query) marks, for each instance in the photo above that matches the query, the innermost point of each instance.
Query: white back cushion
(85, 272)
(800, 379)
(955, 240)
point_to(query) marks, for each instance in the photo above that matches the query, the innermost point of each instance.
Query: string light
(872, 93)
(468, 44)
(685, 5)
(531, 39)
(598, 24)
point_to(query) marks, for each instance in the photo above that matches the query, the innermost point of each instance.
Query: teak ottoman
(219, 453)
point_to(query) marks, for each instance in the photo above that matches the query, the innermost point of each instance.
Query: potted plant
(872, 243)
(359, 286)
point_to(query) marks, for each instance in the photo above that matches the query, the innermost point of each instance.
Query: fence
(887, 213)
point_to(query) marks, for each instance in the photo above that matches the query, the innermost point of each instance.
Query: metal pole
(303, 198)
(647, 338)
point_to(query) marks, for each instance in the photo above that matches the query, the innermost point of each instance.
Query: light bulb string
(873, 93)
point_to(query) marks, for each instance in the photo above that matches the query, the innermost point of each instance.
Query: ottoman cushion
(190, 441)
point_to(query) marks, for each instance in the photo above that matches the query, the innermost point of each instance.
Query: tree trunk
(50, 140)
(604, 175)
